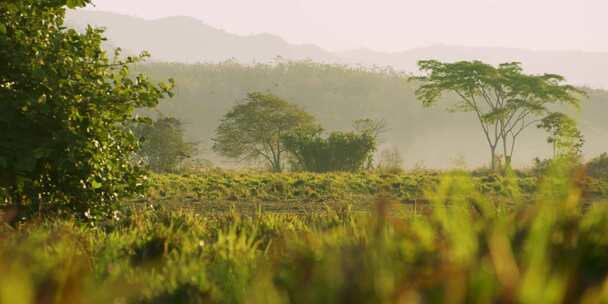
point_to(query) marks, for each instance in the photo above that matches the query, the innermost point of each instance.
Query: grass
(467, 246)
(302, 192)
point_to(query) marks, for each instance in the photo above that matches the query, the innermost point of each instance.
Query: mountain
(188, 40)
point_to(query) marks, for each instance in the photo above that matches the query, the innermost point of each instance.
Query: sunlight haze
(391, 25)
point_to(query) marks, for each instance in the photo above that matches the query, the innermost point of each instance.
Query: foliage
(305, 187)
(505, 100)
(375, 128)
(163, 147)
(565, 137)
(286, 187)
(67, 107)
(596, 184)
(253, 129)
(339, 151)
(336, 95)
(465, 249)
(598, 166)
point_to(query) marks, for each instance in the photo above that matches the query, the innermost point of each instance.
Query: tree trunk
(508, 162)
(493, 155)
(276, 165)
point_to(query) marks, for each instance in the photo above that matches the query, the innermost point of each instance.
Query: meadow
(104, 198)
(230, 237)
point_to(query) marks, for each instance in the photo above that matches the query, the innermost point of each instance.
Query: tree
(390, 161)
(565, 137)
(65, 108)
(253, 129)
(163, 147)
(375, 128)
(340, 151)
(505, 100)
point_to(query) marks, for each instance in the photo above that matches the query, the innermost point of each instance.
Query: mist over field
(337, 95)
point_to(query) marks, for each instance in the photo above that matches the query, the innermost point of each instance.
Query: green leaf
(96, 185)
(2, 29)
(75, 3)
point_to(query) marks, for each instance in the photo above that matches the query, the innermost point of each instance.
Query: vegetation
(598, 167)
(67, 106)
(565, 137)
(296, 188)
(504, 99)
(254, 129)
(163, 147)
(343, 232)
(340, 151)
(337, 95)
(465, 248)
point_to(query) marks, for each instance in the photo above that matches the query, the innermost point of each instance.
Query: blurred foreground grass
(467, 247)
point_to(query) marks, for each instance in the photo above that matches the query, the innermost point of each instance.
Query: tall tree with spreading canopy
(65, 108)
(253, 129)
(504, 99)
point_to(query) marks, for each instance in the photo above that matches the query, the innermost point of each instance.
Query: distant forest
(337, 95)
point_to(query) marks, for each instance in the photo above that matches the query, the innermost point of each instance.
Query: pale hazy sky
(394, 25)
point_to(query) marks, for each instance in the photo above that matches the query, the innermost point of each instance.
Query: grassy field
(210, 191)
(467, 243)
(308, 192)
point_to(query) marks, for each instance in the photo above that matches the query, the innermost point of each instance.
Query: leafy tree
(163, 147)
(253, 129)
(340, 151)
(505, 100)
(65, 108)
(565, 137)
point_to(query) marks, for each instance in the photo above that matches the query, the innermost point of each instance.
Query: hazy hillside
(337, 95)
(187, 40)
(581, 68)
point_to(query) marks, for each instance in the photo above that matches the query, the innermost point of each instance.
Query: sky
(396, 25)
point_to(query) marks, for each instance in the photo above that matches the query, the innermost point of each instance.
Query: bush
(340, 151)
(64, 114)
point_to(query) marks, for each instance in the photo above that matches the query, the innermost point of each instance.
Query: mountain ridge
(183, 39)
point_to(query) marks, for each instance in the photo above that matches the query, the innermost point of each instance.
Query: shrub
(340, 151)
(64, 113)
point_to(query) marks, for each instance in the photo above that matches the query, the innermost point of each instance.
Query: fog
(393, 25)
(566, 37)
